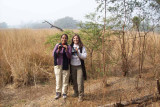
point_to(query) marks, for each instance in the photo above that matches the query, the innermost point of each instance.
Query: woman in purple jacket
(62, 55)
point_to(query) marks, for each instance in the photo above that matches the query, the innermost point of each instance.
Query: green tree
(54, 39)
(91, 32)
(136, 22)
(121, 14)
(155, 6)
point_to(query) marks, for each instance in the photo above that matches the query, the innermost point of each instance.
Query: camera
(74, 52)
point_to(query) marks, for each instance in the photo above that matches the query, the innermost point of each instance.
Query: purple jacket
(60, 55)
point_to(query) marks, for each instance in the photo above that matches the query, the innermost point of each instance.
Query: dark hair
(65, 35)
(80, 42)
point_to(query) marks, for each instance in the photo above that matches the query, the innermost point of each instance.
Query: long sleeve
(68, 53)
(54, 49)
(83, 55)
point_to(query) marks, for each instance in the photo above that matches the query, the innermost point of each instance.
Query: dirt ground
(96, 93)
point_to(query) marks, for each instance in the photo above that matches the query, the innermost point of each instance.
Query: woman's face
(64, 39)
(76, 40)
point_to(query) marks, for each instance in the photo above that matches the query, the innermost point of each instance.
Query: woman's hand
(59, 48)
(76, 49)
(66, 47)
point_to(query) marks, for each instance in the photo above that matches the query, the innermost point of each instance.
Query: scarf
(83, 67)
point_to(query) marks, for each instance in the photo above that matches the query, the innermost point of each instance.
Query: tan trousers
(62, 79)
(78, 81)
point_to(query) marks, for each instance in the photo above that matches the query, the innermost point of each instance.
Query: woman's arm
(68, 52)
(83, 55)
(55, 49)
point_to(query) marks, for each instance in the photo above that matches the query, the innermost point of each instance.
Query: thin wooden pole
(103, 41)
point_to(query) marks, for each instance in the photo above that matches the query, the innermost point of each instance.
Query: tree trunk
(139, 101)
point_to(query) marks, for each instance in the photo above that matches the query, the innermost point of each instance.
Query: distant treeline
(3, 25)
(64, 23)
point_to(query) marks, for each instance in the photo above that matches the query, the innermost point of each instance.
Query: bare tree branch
(53, 26)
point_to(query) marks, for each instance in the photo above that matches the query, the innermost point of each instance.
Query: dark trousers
(78, 81)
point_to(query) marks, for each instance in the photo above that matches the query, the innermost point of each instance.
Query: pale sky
(15, 12)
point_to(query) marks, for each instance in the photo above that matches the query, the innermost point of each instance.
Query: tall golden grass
(25, 59)
(113, 54)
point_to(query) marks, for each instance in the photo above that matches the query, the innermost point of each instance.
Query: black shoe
(58, 95)
(64, 96)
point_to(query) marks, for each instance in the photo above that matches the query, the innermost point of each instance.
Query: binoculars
(60, 46)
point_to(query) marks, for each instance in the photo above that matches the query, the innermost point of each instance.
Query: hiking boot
(58, 95)
(64, 96)
(75, 95)
(80, 99)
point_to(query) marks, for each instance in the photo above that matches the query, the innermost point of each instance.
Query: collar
(75, 45)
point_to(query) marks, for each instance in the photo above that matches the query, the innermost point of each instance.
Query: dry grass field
(27, 77)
